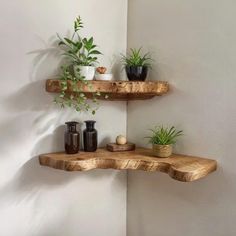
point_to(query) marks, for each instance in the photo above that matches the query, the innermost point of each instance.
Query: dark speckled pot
(136, 73)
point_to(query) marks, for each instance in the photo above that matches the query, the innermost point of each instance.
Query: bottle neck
(71, 128)
(90, 125)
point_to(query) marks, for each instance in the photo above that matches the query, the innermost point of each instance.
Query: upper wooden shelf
(179, 167)
(116, 90)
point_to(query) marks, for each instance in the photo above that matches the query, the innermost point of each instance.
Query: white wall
(37, 200)
(193, 43)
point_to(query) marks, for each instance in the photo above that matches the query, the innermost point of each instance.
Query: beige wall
(34, 200)
(193, 43)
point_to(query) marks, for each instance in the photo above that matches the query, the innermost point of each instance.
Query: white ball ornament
(121, 140)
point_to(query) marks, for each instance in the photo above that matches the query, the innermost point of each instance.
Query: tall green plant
(164, 135)
(81, 51)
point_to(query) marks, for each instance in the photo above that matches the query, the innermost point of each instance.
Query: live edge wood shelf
(179, 167)
(116, 90)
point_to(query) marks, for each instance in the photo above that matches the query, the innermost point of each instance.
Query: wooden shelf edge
(179, 167)
(116, 90)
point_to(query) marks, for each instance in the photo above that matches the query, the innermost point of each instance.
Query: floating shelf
(179, 167)
(116, 90)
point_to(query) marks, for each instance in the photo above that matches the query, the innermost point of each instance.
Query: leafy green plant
(81, 51)
(164, 135)
(76, 98)
(135, 58)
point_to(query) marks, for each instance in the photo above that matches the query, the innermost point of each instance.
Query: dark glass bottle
(90, 136)
(72, 138)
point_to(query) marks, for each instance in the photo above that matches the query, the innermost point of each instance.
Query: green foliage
(80, 51)
(75, 98)
(164, 135)
(135, 58)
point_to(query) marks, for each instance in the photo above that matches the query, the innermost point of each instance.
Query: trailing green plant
(164, 135)
(80, 51)
(135, 58)
(76, 98)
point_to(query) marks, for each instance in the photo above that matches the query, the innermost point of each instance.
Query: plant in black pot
(137, 65)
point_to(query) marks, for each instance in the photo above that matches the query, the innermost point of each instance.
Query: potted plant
(136, 65)
(162, 139)
(82, 52)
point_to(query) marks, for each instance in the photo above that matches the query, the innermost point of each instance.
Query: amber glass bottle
(72, 138)
(90, 136)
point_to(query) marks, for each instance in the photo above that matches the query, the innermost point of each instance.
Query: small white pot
(86, 71)
(106, 77)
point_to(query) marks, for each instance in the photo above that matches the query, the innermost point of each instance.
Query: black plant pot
(136, 73)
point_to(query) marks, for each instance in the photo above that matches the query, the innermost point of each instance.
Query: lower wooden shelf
(179, 167)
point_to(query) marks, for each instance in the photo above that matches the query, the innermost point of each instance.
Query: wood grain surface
(179, 167)
(116, 90)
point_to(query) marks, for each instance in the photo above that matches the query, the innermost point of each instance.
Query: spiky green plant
(164, 135)
(135, 58)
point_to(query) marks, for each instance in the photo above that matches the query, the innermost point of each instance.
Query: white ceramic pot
(86, 71)
(162, 150)
(106, 77)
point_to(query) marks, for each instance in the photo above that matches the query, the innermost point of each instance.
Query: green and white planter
(87, 72)
(162, 151)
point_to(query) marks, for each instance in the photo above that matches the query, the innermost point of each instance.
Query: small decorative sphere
(121, 140)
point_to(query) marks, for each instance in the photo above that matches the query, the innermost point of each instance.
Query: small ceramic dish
(105, 77)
